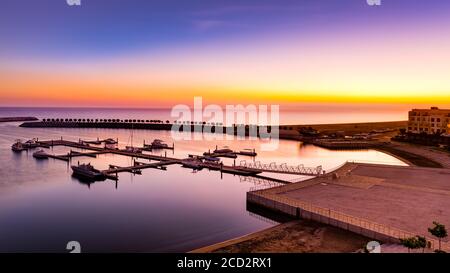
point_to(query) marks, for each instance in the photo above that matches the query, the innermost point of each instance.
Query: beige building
(430, 121)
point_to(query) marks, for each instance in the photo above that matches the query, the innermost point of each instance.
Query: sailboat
(132, 149)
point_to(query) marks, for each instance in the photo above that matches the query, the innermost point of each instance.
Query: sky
(146, 53)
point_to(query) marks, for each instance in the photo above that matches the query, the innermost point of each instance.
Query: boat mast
(132, 135)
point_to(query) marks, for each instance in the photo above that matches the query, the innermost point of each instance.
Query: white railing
(282, 168)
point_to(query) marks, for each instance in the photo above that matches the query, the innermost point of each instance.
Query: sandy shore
(298, 236)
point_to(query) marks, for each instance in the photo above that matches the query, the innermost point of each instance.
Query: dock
(243, 169)
(139, 166)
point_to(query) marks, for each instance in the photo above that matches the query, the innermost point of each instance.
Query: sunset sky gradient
(160, 53)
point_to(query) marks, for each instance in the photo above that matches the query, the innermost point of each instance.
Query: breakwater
(13, 119)
(247, 130)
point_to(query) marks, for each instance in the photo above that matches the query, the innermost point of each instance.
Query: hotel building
(430, 121)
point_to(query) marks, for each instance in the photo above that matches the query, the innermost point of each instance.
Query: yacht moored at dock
(110, 141)
(18, 146)
(132, 149)
(40, 154)
(248, 152)
(159, 144)
(88, 171)
(192, 163)
(32, 143)
(224, 150)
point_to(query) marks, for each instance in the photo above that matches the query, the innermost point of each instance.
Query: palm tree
(438, 231)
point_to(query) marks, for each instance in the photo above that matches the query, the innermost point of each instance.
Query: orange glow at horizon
(392, 71)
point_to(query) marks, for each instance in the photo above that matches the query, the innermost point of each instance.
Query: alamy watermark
(73, 2)
(212, 122)
(373, 2)
(74, 247)
(373, 247)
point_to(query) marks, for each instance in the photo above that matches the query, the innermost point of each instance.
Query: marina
(209, 161)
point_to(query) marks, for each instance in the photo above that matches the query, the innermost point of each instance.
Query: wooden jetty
(90, 154)
(139, 166)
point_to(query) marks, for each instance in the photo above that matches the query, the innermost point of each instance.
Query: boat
(224, 150)
(212, 159)
(88, 171)
(228, 155)
(159, 144)
(192, 163)
(110, 141)
(132, 149)
(40, 154)
(18, 146)
(249, 152)
(31, 143)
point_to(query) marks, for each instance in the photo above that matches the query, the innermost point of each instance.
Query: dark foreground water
(42, 207)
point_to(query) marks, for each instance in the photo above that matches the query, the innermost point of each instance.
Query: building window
(432, 119)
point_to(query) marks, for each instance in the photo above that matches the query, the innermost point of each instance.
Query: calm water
(42, 207)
